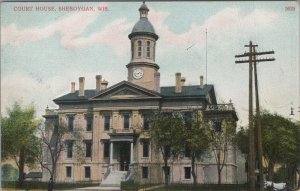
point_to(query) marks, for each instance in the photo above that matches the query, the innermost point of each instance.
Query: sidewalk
(151, 188)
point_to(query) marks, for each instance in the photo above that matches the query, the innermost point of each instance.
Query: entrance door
(124, 155)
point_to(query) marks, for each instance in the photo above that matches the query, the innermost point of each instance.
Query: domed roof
(143, 25)
(143, 7)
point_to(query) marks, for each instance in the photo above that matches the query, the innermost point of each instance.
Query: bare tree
(221, 136)
(196, 139)
(53, 142)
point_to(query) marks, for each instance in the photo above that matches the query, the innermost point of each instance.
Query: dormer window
(139, 48)
(148, 49)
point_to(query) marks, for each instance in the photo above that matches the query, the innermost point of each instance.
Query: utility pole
(206, 56)
(253, 60)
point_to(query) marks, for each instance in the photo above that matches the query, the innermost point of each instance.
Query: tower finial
(143, 10)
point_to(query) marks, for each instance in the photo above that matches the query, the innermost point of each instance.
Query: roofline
(132, 34)
(130, 84)
(142, 64)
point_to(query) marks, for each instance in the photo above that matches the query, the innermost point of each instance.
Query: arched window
(132, 49)
(139, 48)
(148, 49)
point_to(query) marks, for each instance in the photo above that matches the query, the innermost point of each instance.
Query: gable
(126, 90)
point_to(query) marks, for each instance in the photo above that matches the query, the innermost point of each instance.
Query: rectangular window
(218, 126)
(106, 122)
(145, 171)
(139, 48)
(167, 151)
(70, 123)
(132, 49)
(106, 149)
(148, 49)
(126, 121)
(188, 118)
(89, 122)
(88, 148)
(87, 172)
(68, 171)
(187, 152)
(145, 148)
(187, 172)
(69, 149)
(146, 122)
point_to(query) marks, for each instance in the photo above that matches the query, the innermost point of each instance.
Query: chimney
(201, 82)
(81, 86)
(182, 81)
(72, 87)
(157, 82)
(178, 82)
(103, 85)
(98, 82)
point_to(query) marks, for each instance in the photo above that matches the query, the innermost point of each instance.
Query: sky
(42, 52)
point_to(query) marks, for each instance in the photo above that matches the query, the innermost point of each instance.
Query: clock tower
(142, 69)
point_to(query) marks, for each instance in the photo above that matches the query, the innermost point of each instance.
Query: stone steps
(114, 179)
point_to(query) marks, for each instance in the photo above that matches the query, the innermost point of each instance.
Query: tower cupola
(142, 69)
(144, 10)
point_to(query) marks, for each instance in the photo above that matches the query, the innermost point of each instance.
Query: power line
(252, 60)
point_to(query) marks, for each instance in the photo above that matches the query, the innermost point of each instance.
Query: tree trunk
(219, 168)
(193, 171)
(166, 171)
(21, 166)
(219, 176)
(271, 171)
(298, 183)
(53, 174)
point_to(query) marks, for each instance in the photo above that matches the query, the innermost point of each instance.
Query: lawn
(202, 188)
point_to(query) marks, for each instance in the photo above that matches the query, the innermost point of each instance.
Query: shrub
(129, 186)
(44, 185)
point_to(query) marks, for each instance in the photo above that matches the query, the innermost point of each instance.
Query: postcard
(105, 57)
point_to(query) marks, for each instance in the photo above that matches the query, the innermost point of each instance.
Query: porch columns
(111, 153)
(131, 152)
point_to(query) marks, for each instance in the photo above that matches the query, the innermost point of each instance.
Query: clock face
(138, 73)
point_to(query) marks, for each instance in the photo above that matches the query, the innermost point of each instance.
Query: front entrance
(124, 155)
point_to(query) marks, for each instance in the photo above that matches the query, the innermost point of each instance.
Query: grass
(37, 186)
(202, 187)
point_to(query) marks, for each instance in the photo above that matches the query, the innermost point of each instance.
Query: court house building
(113, 122)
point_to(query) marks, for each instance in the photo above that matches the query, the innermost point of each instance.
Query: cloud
(227, 19)
(115, 33)
(70, 29)
(27, 87)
